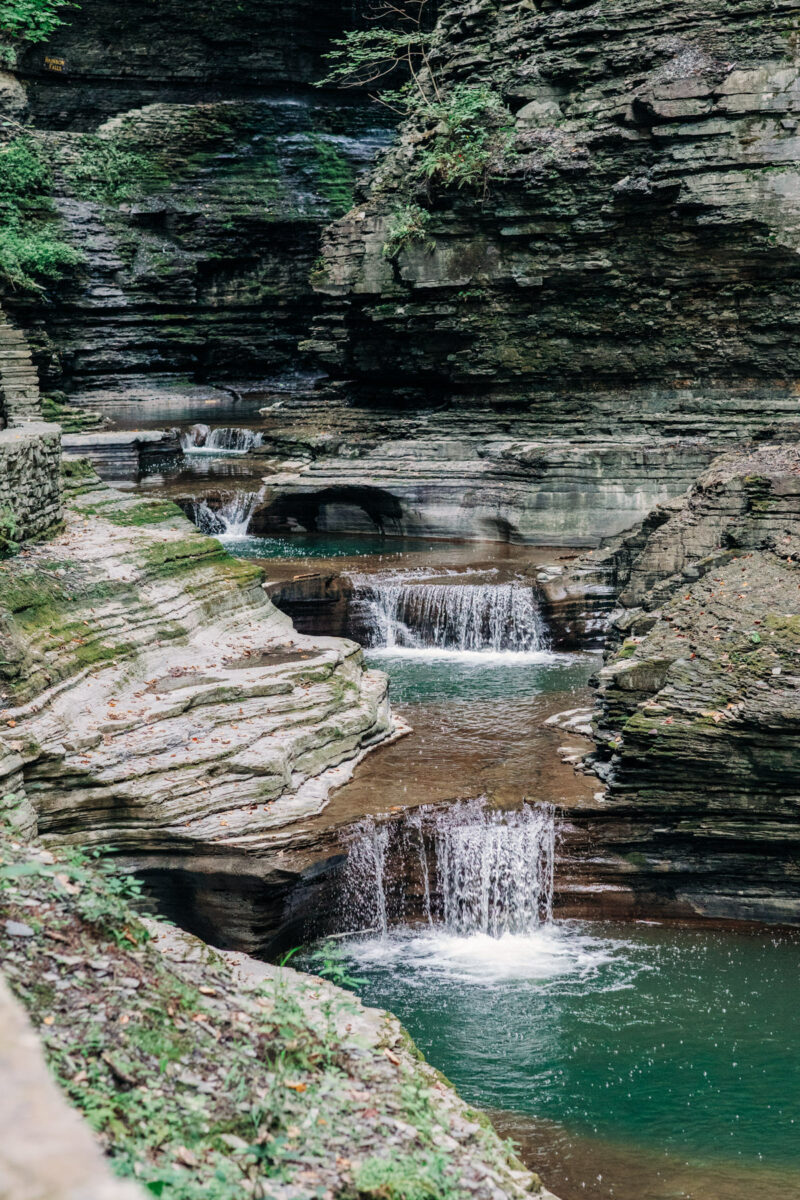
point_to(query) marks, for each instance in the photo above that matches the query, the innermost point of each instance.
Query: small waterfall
(493, 872)
(230, 520)
(202, 440)
(489, 617)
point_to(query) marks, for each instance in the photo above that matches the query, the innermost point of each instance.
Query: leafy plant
(472, 135)
(397, 44)
(408, 224)
(8, 532)
(31, 20)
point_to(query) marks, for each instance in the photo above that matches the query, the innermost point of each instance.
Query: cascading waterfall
(493, 872)
(230, 520)
(202, 440)
(481, 617)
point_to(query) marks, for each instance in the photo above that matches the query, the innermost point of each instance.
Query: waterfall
(202, 440)
(488, 617)
(493, 872)
(230, 520)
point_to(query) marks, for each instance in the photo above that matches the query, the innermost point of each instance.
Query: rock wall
(30, 450)
(30, 490)
(195, 165)
(698, 711)
(623, 279)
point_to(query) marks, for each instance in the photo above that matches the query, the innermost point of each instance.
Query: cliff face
(623, 277)
(698, 708)
(194, 165)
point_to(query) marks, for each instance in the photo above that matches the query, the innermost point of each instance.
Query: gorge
(399, 589)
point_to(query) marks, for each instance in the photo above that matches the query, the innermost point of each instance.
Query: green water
(419, 676)
(324, 545)
(677, 1040)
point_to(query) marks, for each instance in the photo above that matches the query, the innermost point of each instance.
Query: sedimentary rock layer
(623, 275)
(698, 710)
(152, 696)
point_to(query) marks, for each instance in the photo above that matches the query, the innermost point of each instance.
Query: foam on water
(437, 957)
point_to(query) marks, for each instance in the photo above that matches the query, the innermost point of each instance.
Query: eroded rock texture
(195, 165)
(698, 710)
(152, 696)
(616, 303)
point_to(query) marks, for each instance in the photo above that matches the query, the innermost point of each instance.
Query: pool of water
(475, 677)
(324, 545)
(631, 1062)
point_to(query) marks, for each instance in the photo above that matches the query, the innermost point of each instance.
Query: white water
(202, 440)
(433, 958)
(495, 618)
(491, 873)
(230, 520)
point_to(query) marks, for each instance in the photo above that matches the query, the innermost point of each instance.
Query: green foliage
(472, 136)
(408, 224)
(421, 1177)
(111, 173)
(31, 255)
(364, 57)
(330, 963)
(31, 20)
(8, 532)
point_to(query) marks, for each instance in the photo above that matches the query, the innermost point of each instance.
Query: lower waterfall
(490, 617)
(466, 869)
(231, 519)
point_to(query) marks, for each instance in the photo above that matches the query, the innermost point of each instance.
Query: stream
(636, 1061)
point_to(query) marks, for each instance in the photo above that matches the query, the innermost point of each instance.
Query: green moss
(149, 512)
(334, 175)
(71, 418)
(29, 591)
(110, 171)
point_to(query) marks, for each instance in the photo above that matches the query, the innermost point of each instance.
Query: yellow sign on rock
(54, 64)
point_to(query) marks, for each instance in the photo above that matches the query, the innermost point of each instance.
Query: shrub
(31, 20)
(409, 224)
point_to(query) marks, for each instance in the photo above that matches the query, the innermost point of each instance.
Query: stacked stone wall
(30, 481)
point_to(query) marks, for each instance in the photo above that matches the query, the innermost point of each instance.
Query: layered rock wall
(619, 289)
(698, 711)
(195, 165)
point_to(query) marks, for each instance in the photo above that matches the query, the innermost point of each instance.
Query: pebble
(18, 929)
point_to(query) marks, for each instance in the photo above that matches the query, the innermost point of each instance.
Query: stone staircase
(19, 379)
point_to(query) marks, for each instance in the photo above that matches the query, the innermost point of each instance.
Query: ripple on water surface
(681, 1044)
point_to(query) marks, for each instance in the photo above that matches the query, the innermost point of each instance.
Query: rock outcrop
(153, 697)
(698, 710)
(194, 165)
